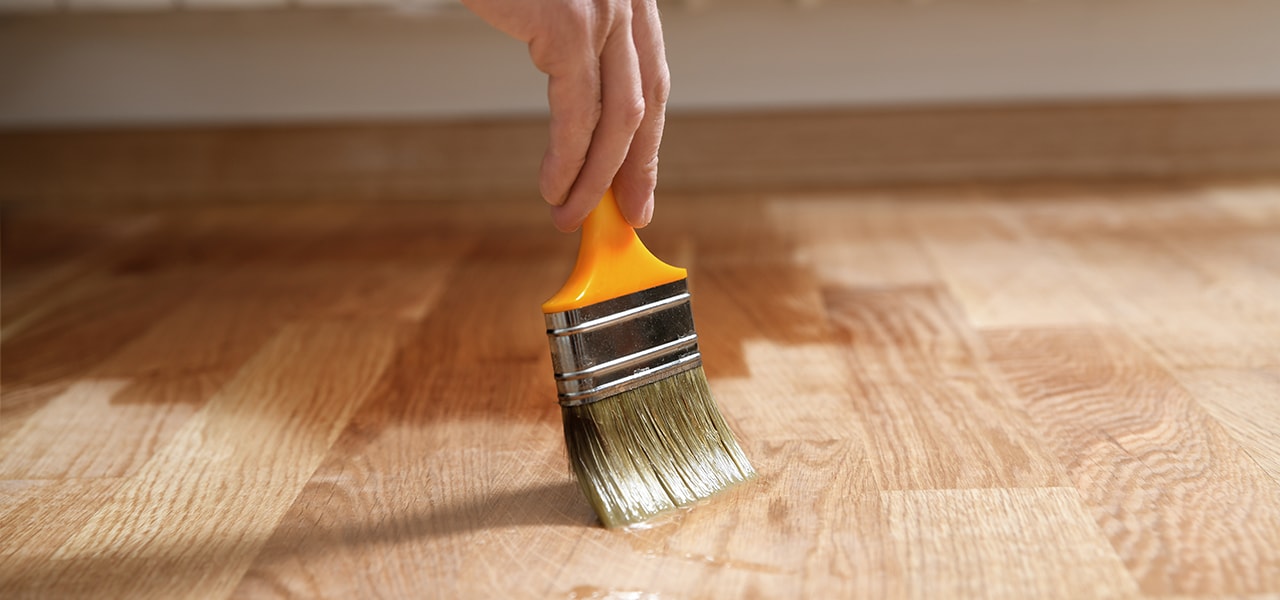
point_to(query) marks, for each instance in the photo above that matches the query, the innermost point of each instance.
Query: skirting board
(701, 152)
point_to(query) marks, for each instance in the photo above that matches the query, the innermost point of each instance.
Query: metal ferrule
(618, 345)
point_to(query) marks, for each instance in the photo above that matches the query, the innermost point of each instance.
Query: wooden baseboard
(701, 152)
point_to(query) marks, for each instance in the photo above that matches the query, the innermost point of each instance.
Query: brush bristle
(651, 449)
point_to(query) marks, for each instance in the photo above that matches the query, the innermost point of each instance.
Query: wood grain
(217, 489)
(936, 417)
(968, 543)
(854, 240)
(1158, 473)
(1244, 401)
(37, 518)
(1037, 390)
(1001, 274)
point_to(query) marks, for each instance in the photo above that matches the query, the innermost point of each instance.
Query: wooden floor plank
(791, 391)
(1000, 273)
(36, 518)
(1143, 270)
(1245, 402)
(997, 543)
(922, 392)
(31, 292)
(903, 334)
(1188, 322)
(104, 314)
(67, 439)
(447, 525)
(195, 489)
(737, 304)
(1186, 507)
(854, 240)
(52, 250)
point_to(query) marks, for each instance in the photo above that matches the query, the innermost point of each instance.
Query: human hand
(607, 87)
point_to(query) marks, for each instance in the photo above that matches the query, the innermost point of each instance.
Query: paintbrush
(643, 433)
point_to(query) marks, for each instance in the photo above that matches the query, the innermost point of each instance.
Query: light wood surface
(1037, 391)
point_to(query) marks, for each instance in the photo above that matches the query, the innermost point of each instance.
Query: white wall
(309, 65)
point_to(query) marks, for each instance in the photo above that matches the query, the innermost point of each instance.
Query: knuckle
(644, 176)
(639, 177)
(650, 170)
(632, 112)
(659, 90)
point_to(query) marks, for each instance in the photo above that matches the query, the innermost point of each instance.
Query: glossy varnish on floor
(1043, 391)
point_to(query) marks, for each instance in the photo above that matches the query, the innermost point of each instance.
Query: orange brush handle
(612, 262)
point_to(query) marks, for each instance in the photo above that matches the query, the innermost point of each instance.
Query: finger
(638, 176)
(621, 110)
(574, 97)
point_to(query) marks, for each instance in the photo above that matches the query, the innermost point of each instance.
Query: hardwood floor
(1066, 391)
